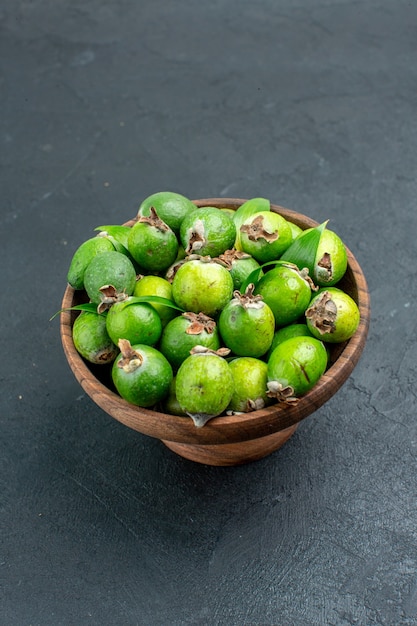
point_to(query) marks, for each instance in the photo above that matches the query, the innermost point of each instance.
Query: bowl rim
(234, 428)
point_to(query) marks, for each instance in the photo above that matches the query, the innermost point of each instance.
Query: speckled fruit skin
(250, 377)
(83, 257)
(247, 331)
(202, 287)
(92, 340)
(170, 404)
(347, 320)
(298, 362)
(204, 385)
(157, 286)
(287, 332)
(149, 383)
(176, 343)
(153, 249)
(138, 323)
(109, 268)
(286, 292)
(216, 227)
(240, 270)
(262, 250)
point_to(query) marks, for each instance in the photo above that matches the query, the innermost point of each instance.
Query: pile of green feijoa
(204, 312)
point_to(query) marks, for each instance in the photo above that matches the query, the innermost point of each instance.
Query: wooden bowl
(225, 440)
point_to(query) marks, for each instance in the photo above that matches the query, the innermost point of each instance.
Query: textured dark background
(312, 104)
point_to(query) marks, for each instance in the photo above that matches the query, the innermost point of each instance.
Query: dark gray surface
(311, 104)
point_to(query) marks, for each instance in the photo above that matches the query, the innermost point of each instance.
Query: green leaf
(90, 307)
(119, 233)
(303, 251)
(153, 300)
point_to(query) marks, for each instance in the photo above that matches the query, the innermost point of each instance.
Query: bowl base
(232, 453)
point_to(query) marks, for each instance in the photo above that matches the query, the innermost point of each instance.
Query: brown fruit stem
(131, 359)
(247, 300)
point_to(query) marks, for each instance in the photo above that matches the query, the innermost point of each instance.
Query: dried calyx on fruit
(130, 359)
(323, 313)
(248, 300)
(203, 350)
(281, 393)
(198, 323)
(154, 220)
(247, 324)
(231, 256)
(109, 296)
(255, 230)
(333, 316)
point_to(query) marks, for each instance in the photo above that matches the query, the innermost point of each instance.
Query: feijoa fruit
(141, 374)
(333, 316)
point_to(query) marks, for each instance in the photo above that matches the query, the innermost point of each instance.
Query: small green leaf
(119, 233)
(303, 251)
(90, 307)
(152, 300)
(115, 230)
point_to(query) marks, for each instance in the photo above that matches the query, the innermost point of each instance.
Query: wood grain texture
(224, 431)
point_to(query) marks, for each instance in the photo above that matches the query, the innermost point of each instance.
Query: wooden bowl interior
(96, 380)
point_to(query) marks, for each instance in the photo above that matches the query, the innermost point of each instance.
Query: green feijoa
(229, 212)
(287, 291)
(141, 374)
(109, 268)
(92, 340)
(245, 211)
(287, 332)
(331, 259)
(171, 404)
(250, 377)
(84, 254)
(240, 265)
(201, 285)
(157, 286)
(181, 254)
(185, 332)
(170, 206)
(138, 323)
(246, 324)
(152, 243)
(295, 366)
(265, 236)
(204, 386)
(333, 316)
(207, 231)
(295, 230)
